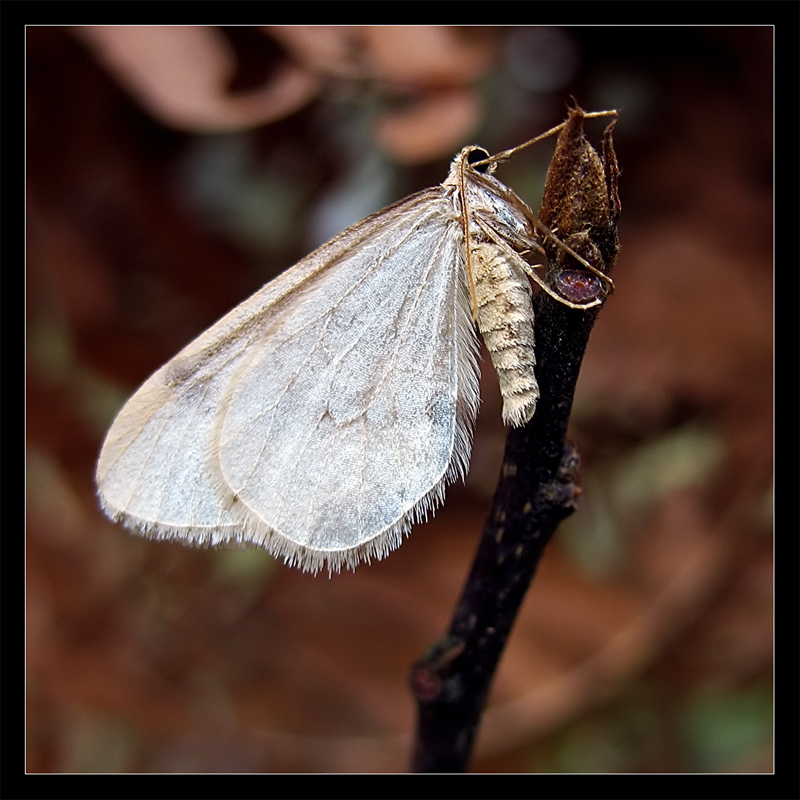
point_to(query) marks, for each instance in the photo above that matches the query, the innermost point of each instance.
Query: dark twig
(538, 484)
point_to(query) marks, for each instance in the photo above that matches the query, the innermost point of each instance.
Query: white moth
(327, 413)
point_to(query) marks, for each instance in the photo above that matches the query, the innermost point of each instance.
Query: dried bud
(581, 207)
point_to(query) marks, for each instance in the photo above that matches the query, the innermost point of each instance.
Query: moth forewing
(322, 417)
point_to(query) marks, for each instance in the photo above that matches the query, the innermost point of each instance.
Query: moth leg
(517, 259)
(551, 234)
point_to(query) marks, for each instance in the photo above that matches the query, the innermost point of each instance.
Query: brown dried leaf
(435, 124)
(427, 54)
(180, 74)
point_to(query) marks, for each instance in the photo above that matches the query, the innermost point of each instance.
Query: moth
(327, 414)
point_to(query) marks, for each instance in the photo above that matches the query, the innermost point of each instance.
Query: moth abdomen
(505, 321)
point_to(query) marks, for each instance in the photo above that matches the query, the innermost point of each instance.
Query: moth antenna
(506, 154)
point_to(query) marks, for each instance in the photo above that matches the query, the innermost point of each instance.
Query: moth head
(478, 159)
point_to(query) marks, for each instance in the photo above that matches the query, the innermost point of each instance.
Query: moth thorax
(505, 321)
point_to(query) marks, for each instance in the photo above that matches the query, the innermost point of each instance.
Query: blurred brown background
(171, 172)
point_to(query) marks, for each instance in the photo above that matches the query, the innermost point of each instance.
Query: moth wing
(322, 416)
